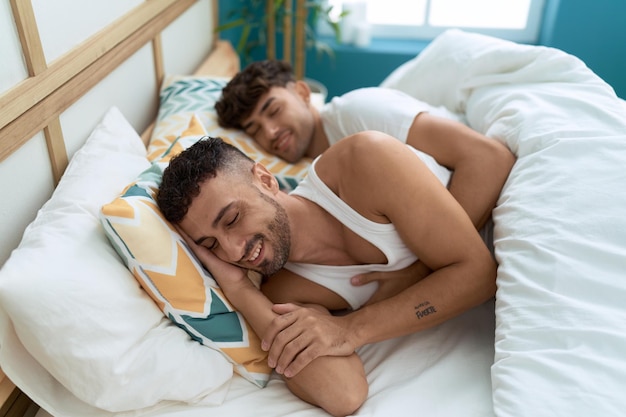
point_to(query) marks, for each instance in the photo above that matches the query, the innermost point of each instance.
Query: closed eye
(210, 244)
(234, 220)
(213, 243)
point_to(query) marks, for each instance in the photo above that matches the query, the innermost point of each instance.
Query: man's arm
(336, 384)
(480, 165)
(432, 224)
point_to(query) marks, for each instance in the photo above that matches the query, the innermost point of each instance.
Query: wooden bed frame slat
(294, 40)
(29, 36)
(57, 151)
(300, 39)
(14, 403)
(157, 53)
(34, 89)
(36, 64)
(7, 388)
(37, 100)
(287, 29)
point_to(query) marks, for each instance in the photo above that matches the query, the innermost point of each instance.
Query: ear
(264, 178)
(303, 90)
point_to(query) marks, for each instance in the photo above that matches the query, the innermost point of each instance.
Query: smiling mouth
(282, 142)
(256, 252)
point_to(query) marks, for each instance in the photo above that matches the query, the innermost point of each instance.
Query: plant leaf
(230, 25)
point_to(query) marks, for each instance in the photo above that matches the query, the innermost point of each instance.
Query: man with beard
(344, 217)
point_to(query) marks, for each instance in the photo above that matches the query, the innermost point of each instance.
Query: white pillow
(93, 339)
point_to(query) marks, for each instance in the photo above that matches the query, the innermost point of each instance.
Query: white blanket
(560, 224)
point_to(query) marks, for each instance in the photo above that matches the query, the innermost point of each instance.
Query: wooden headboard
(37, 103)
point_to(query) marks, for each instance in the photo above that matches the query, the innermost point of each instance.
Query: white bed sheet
(441, 372)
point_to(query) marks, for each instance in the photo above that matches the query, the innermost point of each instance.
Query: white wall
(25, 177)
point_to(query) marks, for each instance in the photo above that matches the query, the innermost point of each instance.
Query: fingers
(363, 279)
(284, 308)
(289, 348)
(297, 353)
(292, 351)
(277, 325)
(300, 334)
(300, 362)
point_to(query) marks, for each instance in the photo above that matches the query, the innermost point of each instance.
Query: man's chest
(352, 219)
(362, 251)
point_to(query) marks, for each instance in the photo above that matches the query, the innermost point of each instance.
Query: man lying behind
(268, 103)
(344, 214)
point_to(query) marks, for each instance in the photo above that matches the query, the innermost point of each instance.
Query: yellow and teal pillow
(167, 270)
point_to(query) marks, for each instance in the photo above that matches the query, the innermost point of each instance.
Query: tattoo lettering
(424, 309)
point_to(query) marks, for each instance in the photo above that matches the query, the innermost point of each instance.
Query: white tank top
(382, 235)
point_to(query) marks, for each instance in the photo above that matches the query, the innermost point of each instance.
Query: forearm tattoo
(424, 309)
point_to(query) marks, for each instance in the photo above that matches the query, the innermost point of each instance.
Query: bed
(103, 313)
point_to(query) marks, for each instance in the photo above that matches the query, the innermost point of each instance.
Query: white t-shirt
(375, 108)
(383, 109)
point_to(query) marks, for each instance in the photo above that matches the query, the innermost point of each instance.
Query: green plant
(251, 18)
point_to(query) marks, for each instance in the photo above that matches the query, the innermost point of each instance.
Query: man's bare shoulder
(358, 168)
(354, 150)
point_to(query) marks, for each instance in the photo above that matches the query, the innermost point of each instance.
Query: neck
(319, 143)
(314, 232)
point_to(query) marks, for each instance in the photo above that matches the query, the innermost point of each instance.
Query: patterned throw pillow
(182, 98)
(168, 271)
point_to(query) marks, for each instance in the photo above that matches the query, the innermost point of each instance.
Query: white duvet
(560, 224)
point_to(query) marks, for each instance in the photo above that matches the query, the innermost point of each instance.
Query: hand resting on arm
(336, 384)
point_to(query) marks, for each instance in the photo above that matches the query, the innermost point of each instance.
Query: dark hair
(187, 170)
(243, 92)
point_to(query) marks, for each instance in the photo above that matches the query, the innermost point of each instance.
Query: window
(517, 20)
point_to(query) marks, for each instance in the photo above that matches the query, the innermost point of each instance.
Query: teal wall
(594, 31)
